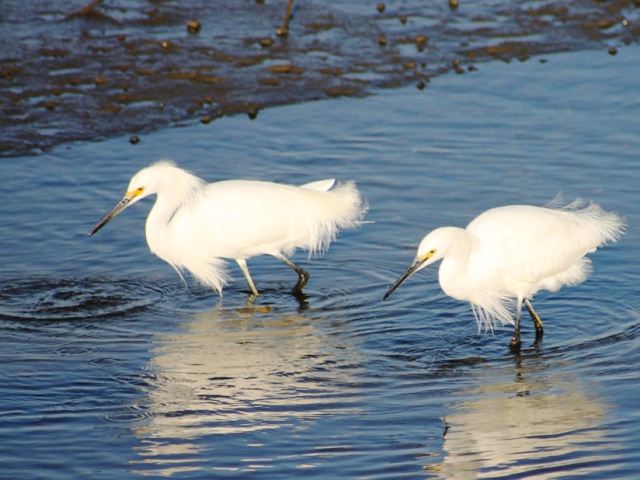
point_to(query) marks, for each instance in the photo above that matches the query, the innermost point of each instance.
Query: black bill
(120, 206)
(410, 271)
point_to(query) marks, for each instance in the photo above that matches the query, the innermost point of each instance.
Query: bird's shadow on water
(197, 298)
(497, 405)
(239, 370)
(508, 409)
(508, 414)
(263, 298)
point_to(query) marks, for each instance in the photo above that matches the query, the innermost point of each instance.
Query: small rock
(382, 40)
(453, 4)
(252, 113)
(193, 27)
(340, 91)
(211, 79)
(269, 81)
(265, 42)
(403, 19)
(421, 85)
(134, 139)
(110, 108)
(605, 23)
(613, 51)
(381, 7)
(286, 68)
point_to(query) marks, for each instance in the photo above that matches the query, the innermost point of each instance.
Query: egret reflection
(538, 422)
(239, 371)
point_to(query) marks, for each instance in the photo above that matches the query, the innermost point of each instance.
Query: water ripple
(125, 372)
(71, 299)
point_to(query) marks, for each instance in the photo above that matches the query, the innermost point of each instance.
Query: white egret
(193, 225)
(513, 252)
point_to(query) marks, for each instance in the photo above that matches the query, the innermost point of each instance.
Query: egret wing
(243, 218)
(533, 243)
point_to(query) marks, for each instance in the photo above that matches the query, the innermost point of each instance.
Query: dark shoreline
(87, 71)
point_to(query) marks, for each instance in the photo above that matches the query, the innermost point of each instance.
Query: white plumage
(514, 252)
(194, 225)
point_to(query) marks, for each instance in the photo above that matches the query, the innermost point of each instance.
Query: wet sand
(85, 71)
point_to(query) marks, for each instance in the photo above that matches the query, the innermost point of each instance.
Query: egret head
(142, 184)
(432, 248)
(152, 179)
(162, 176)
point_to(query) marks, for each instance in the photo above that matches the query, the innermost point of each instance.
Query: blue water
(111, 368)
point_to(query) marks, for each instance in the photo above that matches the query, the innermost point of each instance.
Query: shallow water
(110, 367)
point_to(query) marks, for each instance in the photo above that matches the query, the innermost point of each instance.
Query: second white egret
(513, 252)
(194, 225)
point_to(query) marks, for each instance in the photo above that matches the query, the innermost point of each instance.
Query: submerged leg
(537, 321)
(245, 271)
(303, 277)
(514, 344)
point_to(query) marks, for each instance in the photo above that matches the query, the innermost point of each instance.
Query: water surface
(110, 367)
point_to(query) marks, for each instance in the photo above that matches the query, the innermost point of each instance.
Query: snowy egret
(513, 252)
(193, 226)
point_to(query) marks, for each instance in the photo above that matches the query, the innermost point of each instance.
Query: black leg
(537, 321)
(303, 276)
(514, 343)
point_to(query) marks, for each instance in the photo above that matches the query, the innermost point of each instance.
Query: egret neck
(453, 269)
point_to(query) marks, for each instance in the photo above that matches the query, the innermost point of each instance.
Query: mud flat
(83, 71)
